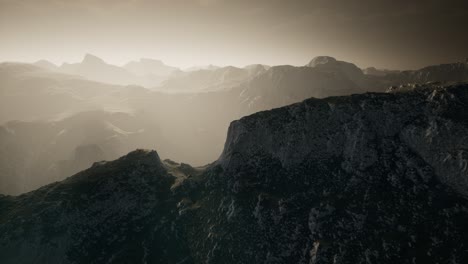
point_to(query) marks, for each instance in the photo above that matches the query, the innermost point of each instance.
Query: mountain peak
(46, 64)
(136, 164)
(148, 60)
(319, 60)
(142, 156)
(91, 59)
(330, 64)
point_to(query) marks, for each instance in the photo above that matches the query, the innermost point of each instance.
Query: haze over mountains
(233, 132)
(52, 115)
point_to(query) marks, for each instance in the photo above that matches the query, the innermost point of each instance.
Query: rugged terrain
(370, 178)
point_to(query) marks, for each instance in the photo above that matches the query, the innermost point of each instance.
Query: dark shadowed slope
(99, 215)
(372, 178)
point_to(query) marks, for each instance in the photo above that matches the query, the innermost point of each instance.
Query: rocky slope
(371, 178)
(120, 212)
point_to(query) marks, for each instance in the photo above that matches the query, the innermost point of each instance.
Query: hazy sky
(390, 34)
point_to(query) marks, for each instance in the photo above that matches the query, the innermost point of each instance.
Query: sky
(385, 34)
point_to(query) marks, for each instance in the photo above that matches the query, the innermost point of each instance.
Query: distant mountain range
(145, 72)
(154, 74)
(367, 178)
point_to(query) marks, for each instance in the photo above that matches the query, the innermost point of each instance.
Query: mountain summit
(330, 64)
(96, 69)
(92, 59)
(321, 60)
(149, 67)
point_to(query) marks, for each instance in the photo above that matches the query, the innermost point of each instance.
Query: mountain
(134, 191)
(255, 69)
(46, 65)
(145, 72)
(203, 67)
(149, 72)
(282, 85)
(31, 93)
(378, 72)
(149, 67)
(330, 64)
(210, 80)
(94, 68)
(63, 117)
(34, 154)
(369, 178)
(450, 72)
(372, 79)
(191, 126)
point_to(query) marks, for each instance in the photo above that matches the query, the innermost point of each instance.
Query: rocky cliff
(371, 178)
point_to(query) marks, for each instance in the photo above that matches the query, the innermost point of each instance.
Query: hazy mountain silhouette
(450, 72)
(150, 67)
(32, 93)
(203, 67)
(145, 72)
(94, 68)
(46, 65)
(210, 80)
(378, 72)
(38, 153)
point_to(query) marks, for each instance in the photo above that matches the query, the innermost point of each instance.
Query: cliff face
(372, 178)
(430, 120)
